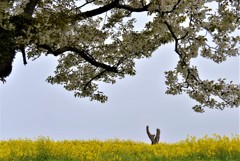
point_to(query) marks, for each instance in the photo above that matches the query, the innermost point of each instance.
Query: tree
(95, 41)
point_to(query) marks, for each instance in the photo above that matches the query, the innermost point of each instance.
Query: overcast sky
(31, 107)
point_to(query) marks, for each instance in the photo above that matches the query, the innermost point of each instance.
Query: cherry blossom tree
(96, 41)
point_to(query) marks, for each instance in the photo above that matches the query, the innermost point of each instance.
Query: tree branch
(82, 53)
(98, 11)
(157, 138)
(154, 138)
(97, 76)
(174, 7)
(175, 38)
(22, 49)
(85, 4)
(30, 7)
(114, 4)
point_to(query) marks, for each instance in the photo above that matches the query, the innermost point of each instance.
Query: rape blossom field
(213, 148)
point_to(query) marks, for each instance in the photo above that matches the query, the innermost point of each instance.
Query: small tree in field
(96, 41)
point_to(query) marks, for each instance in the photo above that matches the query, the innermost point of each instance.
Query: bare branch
(154, 139)
(157, 138)
(22, 49)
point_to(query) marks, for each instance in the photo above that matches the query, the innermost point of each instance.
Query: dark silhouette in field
(154, 138)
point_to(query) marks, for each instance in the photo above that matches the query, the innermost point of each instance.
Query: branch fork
(154, 138)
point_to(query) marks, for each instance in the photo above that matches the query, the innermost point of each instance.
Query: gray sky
(31, 107)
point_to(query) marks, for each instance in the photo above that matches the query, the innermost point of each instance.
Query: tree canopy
(96, 41)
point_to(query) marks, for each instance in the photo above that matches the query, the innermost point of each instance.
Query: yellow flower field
(42, 148)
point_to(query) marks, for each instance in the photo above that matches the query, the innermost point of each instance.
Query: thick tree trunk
(7, 52)
(7, 38)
